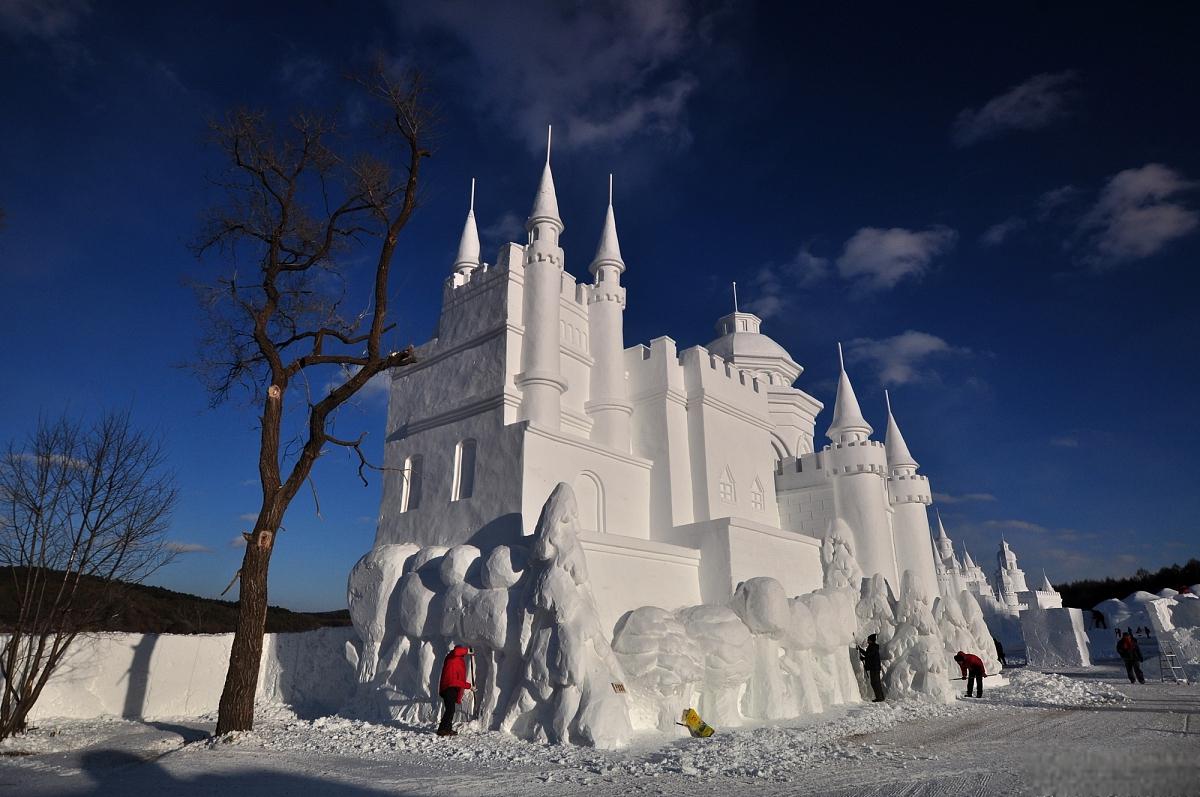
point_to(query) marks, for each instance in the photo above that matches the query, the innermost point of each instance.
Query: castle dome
(746, 347)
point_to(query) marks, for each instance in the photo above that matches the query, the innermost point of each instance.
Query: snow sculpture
(566, 692)
(837, 557)
(913, 660)
(985, 646)
(955, 630)
(728, 660)
(368, 595)
(763, 607)
(876, 610)
(662, 664)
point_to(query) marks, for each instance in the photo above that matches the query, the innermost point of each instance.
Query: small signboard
(619, 688)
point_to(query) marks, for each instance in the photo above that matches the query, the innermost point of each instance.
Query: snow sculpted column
(368, 595)
(566, 692)
(763, 607)
(728, 660)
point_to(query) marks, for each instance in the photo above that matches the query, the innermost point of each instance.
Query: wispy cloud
(509, 227)
(1000, 232)
(237, 542)
(1018, 525)
(876, 259)
(601, 72)
(249, 517)
(1034, 104)
(947, 498)
(47, 20)
(302, 74)
(187, 547)
(773, 286)
(1137, 214)
(1065, 441)
(375, 389)
(1055, 199)
(902, 359)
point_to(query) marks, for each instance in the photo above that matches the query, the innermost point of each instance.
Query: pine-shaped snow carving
(913, 663)
(566, 691)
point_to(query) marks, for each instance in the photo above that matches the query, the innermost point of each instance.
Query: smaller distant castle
(1006, 593)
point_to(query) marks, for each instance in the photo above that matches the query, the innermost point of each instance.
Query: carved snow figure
(876, 610)
(985, 646)
(662, 665)
(913, 662)
(725, 642)
(566, 691)
(763, 607)
(956, 632)
(837, 558)
(369, 597)
(799, 660)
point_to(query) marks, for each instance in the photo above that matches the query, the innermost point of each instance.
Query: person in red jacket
(972, 670)
(451, 686)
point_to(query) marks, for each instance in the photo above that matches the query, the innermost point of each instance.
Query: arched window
(589, 496)
(464, 470)
(410, 489)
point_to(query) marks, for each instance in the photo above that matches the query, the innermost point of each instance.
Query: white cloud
(48, 20)
(249, 517)
(187, 547)
(1069, 441)
(1017, 525)
(877, 259)
(1135, 216)
(600, 72)
(1054, 199)
(904, 358)
(1036, 103)
(773, 285)
(375, 389)
(509, 227)
(947, 498)
(999, 233)
(237, 542)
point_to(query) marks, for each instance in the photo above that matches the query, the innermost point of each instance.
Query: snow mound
(1041, 689)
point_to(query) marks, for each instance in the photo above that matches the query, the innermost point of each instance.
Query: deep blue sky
(995, 211)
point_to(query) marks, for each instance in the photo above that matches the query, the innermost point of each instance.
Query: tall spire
(467, 259)
(893, 441)
(847, 416)
(609, 251)
(545, 202)
(967, 561)
(941, 529)
(1046, 585)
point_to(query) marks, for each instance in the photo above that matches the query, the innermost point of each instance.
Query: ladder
(1168, 664)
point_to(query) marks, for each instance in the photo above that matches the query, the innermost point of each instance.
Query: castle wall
(627, 573)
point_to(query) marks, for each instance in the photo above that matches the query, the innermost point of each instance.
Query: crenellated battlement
(856, 456)
(909, 488)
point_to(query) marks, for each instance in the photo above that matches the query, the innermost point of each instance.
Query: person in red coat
(972, 670)
(451, 686)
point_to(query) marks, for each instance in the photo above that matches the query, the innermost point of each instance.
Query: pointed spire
(893, 441)
(609, 250)
(735, 307)
(545, 202)
(968, 563)
(1046, 585)
(847, 416)
(941, 535)
(467, 259)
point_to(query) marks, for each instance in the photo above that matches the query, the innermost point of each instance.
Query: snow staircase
(1169, 663)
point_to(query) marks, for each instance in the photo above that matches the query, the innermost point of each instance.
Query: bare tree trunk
(236, 711)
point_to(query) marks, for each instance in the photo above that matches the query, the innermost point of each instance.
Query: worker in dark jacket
(972, 670)
(1131, 654)
(873, 666)
(451, 687)
(1000, 652)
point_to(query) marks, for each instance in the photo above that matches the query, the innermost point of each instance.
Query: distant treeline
(137, 608)
(1088, 592)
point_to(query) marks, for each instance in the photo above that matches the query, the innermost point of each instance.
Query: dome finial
(735, 305)
(549, 135)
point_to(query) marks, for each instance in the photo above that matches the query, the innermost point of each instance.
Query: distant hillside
(154, 610)
(1087, 593)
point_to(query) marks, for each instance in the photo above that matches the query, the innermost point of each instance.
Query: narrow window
(410, 489)
(464, 470)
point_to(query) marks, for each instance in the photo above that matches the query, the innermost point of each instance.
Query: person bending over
(972, 670)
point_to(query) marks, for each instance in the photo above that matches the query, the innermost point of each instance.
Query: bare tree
(84, 510)
(297, 212)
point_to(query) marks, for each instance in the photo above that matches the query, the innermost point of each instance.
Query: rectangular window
(410, 489)
(464, 470)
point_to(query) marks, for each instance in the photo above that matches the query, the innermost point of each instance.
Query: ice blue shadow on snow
(116, 773)
(312, 672)
(137, 678)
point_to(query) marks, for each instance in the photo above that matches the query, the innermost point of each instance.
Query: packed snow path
(1082, 732)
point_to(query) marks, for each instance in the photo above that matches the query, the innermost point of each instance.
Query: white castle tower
(693, 470)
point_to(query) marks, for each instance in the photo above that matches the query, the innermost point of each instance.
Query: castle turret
(609, 406)
(1006, 563)
(467, 259)
(858, 467)
(909, 494)
(540, 380)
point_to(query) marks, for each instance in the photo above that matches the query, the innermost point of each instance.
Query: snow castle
(593, 517)
(694, 470)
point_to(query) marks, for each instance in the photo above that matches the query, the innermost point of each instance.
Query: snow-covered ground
(1078, 732)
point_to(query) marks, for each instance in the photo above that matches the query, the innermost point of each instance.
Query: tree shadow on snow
(115, 773)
